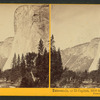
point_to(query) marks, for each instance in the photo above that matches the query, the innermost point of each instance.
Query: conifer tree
(15, 71)
(14, 61)
(52, 44)
(39, 65)
(23, 69)
(41, 47)
(56, 62)
(42, 65)
(59, 63)
(45, 67)
(99, 65)
(18, 63)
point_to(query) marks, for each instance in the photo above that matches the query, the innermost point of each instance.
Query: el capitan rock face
(81, 57)
(31, 23)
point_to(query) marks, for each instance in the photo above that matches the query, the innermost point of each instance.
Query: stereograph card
(49, 49)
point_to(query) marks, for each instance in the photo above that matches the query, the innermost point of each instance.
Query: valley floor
(5, 84)
(90, 85)
(83, 85)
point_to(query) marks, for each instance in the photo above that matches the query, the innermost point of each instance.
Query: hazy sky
(74, 24)
(7, 20)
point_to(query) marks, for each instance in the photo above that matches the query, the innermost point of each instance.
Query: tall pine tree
(42, 65)
(14, 61)
(56, 63)
(41, 47)
(23, 66)
(53, 48)
(59, 63)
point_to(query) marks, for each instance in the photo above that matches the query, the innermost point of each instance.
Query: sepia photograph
(75, 46)
(24, 46)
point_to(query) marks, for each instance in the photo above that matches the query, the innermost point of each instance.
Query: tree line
(31, 69)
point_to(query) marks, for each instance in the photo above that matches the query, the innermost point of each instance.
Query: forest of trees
(32, 70)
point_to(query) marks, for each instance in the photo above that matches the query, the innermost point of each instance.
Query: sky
(7, 20)
(74, 24)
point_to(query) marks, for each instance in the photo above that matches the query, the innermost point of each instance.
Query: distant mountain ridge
(5, 50)
(80, 57)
